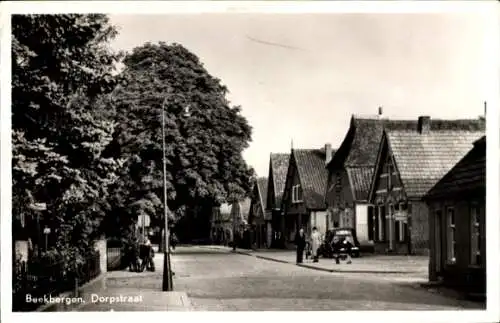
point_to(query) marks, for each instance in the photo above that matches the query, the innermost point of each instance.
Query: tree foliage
(61, 70)
(88, 142)
(203, 147)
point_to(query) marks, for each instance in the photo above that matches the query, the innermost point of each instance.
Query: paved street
(221, 280)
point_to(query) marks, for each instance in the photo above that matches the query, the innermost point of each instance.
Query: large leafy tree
(61, 70)
(205, 134)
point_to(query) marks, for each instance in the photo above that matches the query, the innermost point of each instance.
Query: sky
(300, 77)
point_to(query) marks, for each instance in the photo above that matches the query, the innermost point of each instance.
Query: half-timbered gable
(409, 162)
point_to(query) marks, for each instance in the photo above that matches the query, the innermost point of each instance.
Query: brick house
(457, 224)
(278, 167)
(409, 163)
(258, 218)
(303, 199)
(350, 174)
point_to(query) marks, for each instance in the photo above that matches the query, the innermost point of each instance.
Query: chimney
(380, 112)
(424, 124)
(485, 109)
(328, 153)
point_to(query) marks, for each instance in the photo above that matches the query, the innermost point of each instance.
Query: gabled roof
(423, 159)
(262, 188)
(358, 152)
(279, 167)
(360, 146)
(469, 174)
(313, 175)
(360, 180)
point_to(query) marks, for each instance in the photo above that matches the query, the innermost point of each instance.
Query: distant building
(278, 167)
(457, 223)
(303, 199)
(223, 217)
(259, 218)
(409, 163)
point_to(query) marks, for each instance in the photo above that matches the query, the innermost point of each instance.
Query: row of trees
(87, 140)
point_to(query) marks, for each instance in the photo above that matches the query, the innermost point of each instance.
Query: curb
(318, 268)
(326, 269)
(273, 259)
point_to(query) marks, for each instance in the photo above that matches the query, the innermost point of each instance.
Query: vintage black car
(326, 248)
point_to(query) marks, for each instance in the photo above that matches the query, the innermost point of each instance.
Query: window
(296, 194)
(403, 206)
(389, 174)
(338, 187)
(475, 235)
(451, 236)
(338, 181)
(401, 231)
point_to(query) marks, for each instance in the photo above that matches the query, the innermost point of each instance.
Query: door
(439, 241)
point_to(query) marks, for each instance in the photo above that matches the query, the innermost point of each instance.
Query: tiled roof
(360, 180)
(313, 176)
(469, 174)
(423, 159)
(279, 168)
(262, 186)
(363, 149)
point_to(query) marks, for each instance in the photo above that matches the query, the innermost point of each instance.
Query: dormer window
(296, 194)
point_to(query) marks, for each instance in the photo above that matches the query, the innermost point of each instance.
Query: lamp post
(167, 270)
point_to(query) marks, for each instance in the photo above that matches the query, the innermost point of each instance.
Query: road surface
(221, 280)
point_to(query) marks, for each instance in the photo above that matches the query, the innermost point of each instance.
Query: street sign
(143, 218)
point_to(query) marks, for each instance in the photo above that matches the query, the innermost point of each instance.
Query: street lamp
(167, 269)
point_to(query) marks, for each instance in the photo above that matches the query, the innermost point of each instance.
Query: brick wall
(419, 228)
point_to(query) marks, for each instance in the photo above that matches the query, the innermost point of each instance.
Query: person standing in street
(300, 241)
(315, 243)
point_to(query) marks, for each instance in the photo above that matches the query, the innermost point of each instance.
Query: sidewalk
(129, 291)
(416, 266)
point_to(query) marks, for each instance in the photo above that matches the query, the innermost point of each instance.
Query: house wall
(340, 201)
(319, 220)
(419, 228)
(461, 274)
(362, 222)
(295, 213)
(414, 215)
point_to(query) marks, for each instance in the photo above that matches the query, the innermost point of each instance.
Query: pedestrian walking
(315, 243)
(342, 248)
(300, 241)
(173, 240)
